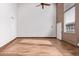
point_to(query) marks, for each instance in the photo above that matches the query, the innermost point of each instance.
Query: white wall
(8, 19)
(35, 22)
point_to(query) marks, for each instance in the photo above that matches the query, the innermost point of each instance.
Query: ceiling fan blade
(38, 5)
(47, 4)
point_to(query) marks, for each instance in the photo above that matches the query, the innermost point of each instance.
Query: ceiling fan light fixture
(43, 4)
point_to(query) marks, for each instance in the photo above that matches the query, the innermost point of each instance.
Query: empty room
(39, 29)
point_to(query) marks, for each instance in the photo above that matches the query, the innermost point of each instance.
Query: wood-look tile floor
(39, 47)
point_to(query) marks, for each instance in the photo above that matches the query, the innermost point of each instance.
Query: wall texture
(35, 22)
(8, 19)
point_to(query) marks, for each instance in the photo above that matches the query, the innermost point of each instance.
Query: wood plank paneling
(72, 38)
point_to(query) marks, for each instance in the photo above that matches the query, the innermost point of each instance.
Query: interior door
(59, 30)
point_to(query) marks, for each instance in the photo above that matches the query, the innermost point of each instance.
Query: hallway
(39, 47)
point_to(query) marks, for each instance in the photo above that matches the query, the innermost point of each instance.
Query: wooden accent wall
(72, 38)
(77, 22)
(59, 12)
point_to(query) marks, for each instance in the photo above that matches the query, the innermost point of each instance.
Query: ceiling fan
(43, 4)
